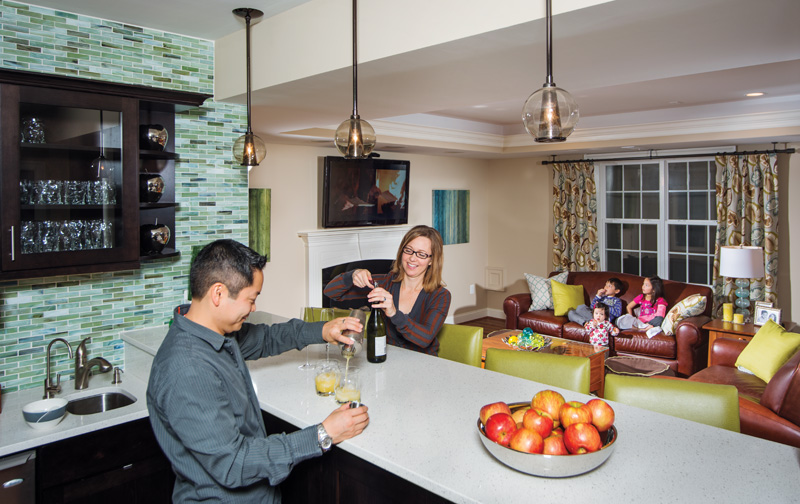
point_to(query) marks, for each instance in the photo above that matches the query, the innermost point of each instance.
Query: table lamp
(742, 263)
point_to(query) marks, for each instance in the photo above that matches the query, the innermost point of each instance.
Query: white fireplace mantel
(331, 247)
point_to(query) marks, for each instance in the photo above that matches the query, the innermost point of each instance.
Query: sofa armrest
(725, 351)
(692, 345)
(514, 306)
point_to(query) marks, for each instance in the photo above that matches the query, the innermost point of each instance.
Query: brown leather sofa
(686, 352)
(766, 410)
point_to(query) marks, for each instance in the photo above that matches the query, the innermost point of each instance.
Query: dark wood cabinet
(71, 171)
(339, 476)
(121, 464)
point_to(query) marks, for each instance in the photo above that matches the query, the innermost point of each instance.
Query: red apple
(574, 412)
(538, 420)
(549, 401)
(527, 440)
(554, 445)
(558, 431)
(500, 427)
(602, 414)
(582, 438)
(491, 409)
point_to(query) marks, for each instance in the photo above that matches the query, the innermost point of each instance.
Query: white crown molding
(744, 122)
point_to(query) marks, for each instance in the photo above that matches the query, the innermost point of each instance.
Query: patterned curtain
(575, 246)
(747, 214)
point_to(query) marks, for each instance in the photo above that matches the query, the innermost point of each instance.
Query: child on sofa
(652, 308)
(606, 296)
(600, 328)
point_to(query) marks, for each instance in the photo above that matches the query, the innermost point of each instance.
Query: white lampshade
(741, 262)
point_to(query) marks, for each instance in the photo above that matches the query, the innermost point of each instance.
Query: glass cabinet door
(71, 174)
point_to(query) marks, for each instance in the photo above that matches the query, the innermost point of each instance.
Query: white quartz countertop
(423, 413)
(16, 435)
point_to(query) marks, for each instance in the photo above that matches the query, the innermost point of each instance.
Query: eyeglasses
(418, 253)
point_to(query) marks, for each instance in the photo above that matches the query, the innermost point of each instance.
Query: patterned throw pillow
(541, 292)
(687, 307)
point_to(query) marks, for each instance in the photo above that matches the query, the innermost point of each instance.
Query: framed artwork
(764, 313)
(258, 226)
(451, 215)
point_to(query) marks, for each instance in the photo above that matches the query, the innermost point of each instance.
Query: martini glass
(308, 316)
(326, 315)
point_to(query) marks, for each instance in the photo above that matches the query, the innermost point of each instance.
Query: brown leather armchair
(766, 410)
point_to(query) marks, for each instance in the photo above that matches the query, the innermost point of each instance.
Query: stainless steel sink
(98, 403)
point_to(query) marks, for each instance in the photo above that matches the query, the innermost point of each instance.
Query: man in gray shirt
(203, 408)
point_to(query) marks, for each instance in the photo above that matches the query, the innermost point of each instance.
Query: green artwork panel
(259, 223)
(451, 215)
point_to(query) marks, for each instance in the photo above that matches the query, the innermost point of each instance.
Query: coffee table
(559, 346)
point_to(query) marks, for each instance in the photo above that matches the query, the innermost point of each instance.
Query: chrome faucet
(83, 368)
(49, 389)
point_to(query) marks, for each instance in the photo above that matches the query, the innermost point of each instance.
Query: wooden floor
(489, 324)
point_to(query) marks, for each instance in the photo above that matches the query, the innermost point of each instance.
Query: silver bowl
(549, 466)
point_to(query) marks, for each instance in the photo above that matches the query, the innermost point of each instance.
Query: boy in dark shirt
(607, 296)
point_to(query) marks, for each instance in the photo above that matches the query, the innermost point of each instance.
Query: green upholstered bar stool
(708, 403)
(461, 343)
(564, 371)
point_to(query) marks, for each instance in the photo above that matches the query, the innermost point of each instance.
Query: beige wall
(789, 237)
(292, 174)
(520, 224)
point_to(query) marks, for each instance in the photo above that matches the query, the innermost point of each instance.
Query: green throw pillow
(565, 297)
(541, 294)
(769, 349)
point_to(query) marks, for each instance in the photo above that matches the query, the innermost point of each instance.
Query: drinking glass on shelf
(308, 316)
(326, 315)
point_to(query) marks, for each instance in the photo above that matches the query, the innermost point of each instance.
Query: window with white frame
(658, 217)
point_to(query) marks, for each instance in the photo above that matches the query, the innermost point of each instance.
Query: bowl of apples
(549, 436)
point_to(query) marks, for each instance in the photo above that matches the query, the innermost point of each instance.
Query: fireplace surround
(332, 247)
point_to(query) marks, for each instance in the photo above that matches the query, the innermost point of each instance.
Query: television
(364, 192)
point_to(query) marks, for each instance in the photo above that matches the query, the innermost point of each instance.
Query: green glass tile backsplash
(211, 191)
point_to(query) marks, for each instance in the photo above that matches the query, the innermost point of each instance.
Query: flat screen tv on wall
(364, 192)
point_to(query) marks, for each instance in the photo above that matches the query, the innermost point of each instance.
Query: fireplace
(326, 248)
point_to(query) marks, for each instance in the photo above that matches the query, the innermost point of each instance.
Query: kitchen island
(423, 413)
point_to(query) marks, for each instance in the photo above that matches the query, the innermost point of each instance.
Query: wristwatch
(324, 440)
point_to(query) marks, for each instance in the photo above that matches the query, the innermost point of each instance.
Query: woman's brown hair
(433, 274)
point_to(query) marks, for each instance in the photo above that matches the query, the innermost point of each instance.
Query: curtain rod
(674, 156)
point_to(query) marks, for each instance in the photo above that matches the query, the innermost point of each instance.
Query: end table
(718, 329)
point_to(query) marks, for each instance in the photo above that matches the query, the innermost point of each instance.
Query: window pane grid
(633, 219)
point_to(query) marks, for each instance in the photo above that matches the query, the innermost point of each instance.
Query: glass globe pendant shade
(249, 150)
(550, 114)
(102, 168)
(355, 138)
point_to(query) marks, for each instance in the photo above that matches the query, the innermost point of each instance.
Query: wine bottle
(376, 336)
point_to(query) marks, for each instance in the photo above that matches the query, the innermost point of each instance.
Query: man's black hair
(227, 262)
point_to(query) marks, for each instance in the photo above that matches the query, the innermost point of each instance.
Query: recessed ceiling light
(675, 102)
(480, 106)
(754, 94)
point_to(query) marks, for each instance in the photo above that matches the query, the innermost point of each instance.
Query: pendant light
(248, 150)
(99, 165)
(355, 138)
(550, 114)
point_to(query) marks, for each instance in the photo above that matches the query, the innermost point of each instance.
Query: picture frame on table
(764, 304)
(764, 313)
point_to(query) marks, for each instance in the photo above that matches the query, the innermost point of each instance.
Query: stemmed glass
(308, 316)
(326, 315)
